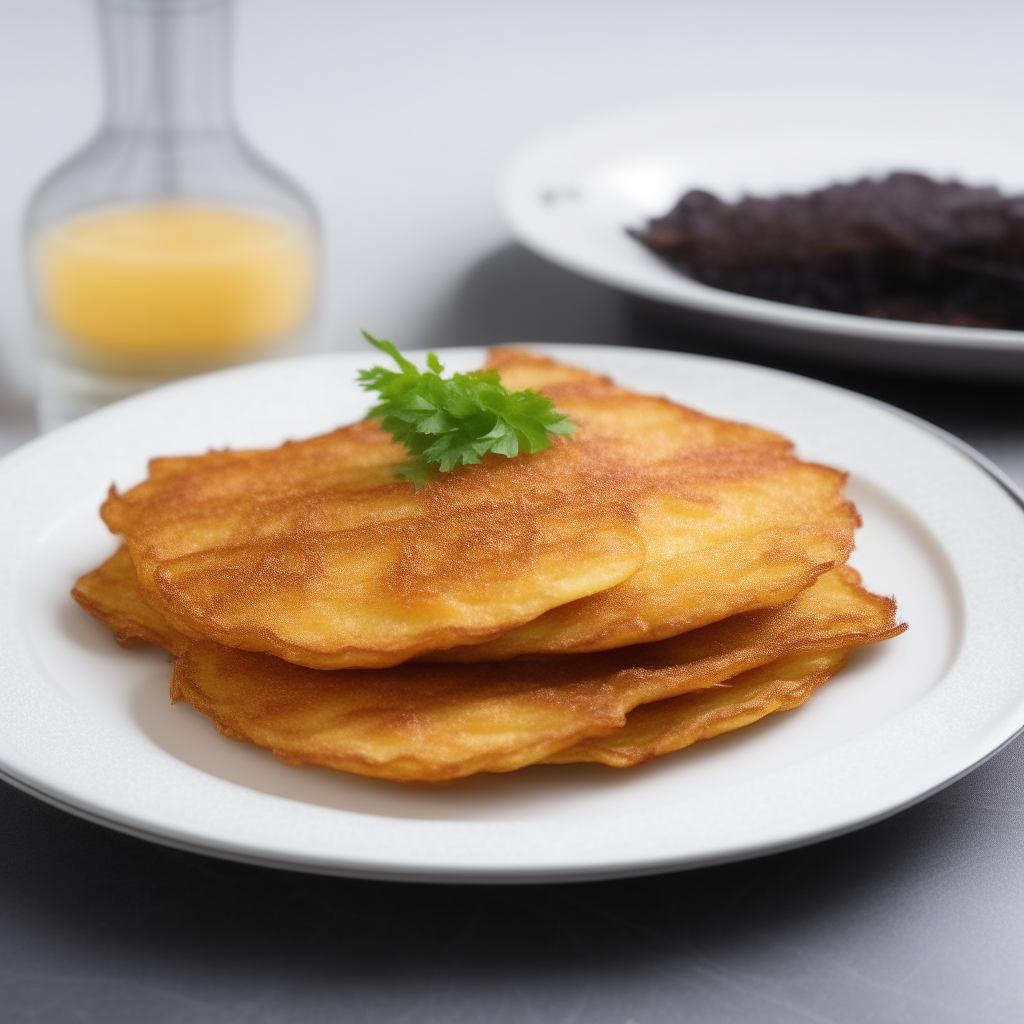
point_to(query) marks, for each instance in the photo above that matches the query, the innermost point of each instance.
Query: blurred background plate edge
(570, 194)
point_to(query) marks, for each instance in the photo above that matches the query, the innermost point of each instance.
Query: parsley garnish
(445, 423)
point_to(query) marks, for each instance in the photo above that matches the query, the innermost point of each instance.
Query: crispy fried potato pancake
(654, 520)
(347, 566)
(111, 594)
(431, 723)
(731, 519)
(669, 725)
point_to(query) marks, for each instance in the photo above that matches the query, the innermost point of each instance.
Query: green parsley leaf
(446, 423)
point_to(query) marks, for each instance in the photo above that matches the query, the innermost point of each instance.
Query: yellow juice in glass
(173, 287)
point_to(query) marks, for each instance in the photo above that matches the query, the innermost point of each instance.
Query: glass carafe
(166, 246)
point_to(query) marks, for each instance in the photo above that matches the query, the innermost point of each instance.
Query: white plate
(571, 195)
(87, 726)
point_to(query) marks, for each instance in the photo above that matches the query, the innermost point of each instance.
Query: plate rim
(521, 874)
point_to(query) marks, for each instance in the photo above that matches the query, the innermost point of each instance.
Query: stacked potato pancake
(659, 578)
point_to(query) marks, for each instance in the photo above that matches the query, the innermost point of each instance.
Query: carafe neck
(167, 65)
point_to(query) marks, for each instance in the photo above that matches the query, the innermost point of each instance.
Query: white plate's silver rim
(647, 276)
(520, 874)
(374, 872)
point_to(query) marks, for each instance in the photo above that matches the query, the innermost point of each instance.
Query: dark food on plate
(902, 248)
(729, 598)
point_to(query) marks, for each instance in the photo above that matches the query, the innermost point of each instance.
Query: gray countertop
(919, 918)
(915, 919)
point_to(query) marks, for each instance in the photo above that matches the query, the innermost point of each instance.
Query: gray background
(398, 116)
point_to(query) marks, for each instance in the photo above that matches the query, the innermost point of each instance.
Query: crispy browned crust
(731, 519)
(709, 556)
(665, 726)
(111, 594)
(432, 723)
(653, 520)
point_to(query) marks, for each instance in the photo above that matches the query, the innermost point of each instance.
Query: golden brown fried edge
(665, 726)
(111, 594)
(296, 552)
(731, 520)
(432, 723)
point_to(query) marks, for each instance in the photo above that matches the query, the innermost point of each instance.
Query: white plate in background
(571, 195)
(87, 726)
